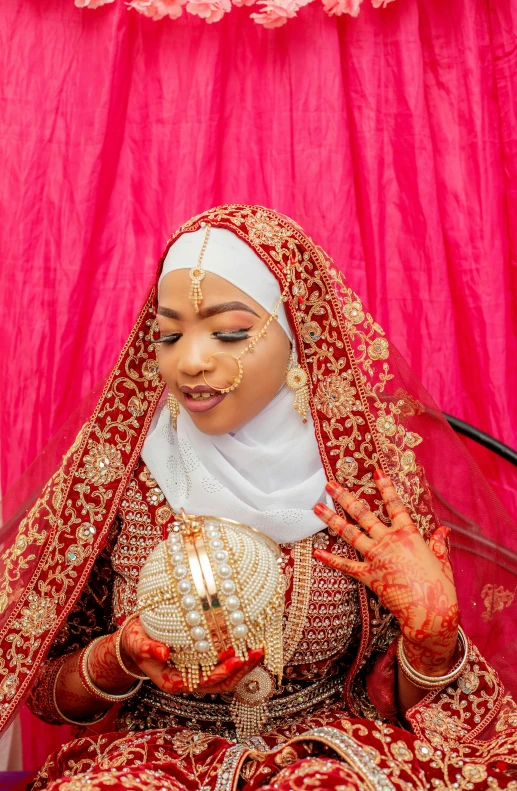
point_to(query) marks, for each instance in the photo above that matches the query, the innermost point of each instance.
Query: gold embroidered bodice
(320, 631)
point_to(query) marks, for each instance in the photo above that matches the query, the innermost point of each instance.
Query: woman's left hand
(412, 579)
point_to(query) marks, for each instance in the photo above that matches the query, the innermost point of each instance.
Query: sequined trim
(228, 774)
(302, 553)
(351, 752)
(220, 712)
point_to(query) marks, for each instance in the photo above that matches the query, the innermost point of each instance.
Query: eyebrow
(206, 313)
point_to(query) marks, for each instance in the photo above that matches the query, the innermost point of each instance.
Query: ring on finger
(351, 534)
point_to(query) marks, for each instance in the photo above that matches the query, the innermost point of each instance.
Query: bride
(255, 386)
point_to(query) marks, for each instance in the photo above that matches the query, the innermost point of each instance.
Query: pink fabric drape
(392, 138)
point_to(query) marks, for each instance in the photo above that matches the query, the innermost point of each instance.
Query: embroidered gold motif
(311, 332)
(379, 349)
(37, 617)
(335, 396)
(495, 598)
(16, 558)
(447, 725)
(102, 464)
(77, 499)
(163, 514)
(354, 312)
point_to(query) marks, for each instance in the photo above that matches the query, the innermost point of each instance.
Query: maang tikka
(296, 378)
(197, 273)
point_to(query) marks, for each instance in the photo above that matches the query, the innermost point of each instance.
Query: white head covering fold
(228, 256)
(268, 473)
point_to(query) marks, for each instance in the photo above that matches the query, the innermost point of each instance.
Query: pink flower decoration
(212, 11)
(91, 3)
(275, 13)
(339, 7)
(158, 9)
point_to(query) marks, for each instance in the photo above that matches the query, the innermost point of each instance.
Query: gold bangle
(432, 682)
(91, 687)
(118, 640)
(66, 719)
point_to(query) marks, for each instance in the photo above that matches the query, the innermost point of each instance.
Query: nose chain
(249, 348)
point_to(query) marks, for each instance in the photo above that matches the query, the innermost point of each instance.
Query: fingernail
(334, 489)
(379, 475)
(319, 509)
(161, 653)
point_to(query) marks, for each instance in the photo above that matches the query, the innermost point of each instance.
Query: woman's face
(227, 320)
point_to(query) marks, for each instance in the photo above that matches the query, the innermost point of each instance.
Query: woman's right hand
(141, 654)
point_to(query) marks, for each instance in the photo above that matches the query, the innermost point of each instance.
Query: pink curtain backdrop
(392, 138)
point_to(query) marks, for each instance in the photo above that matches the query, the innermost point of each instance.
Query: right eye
(169, 339)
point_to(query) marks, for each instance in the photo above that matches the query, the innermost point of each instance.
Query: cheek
(167, 365)
(263, 378)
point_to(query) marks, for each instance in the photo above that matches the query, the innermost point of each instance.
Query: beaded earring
(174, 409)
(296, 379)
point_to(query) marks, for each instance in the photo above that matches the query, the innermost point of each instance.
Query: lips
(203, 403)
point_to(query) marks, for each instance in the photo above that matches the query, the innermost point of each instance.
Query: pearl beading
(249, 595)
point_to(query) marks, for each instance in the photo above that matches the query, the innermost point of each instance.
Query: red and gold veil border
(368, 411)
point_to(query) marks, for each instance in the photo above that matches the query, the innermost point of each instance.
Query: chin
(214, 425)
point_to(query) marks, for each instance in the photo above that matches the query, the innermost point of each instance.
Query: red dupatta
(368, 409)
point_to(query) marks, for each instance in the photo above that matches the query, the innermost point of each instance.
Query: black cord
(483, 439)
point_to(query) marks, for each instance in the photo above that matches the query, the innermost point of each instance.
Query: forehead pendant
(197, 273)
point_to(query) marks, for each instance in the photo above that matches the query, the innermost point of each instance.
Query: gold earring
(174, 409)
(296, 378)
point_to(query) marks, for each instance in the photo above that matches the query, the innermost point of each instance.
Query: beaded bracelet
(42, 695)
(91, 687)
(63, 717)
(118, 641)
(432, 682)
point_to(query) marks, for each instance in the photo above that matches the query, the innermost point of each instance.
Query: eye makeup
(230, 336)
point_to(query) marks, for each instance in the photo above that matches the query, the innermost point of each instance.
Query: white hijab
(268, 473)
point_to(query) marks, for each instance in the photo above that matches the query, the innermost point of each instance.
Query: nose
(192, 360)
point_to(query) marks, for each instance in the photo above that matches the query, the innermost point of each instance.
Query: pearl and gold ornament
(211, 585)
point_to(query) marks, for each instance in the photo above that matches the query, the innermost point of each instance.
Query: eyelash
(226, 337)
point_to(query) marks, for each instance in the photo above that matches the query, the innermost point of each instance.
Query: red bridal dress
(71, 559)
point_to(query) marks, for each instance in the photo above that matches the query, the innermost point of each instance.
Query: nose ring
(236, 379)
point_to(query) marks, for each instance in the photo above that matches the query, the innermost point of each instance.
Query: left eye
(168, 339)
(233, 335)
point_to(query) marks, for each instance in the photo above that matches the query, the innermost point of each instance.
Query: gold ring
(236, 379)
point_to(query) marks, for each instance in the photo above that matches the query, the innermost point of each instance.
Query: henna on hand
(104, 668)
(411, 579)
(72, 698)
(150, 657)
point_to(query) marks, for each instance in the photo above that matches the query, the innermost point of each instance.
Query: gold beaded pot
(211, 585)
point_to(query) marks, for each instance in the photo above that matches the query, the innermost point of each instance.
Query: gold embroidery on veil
(97, 474)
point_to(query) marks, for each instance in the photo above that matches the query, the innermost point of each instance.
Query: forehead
(175, 289)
